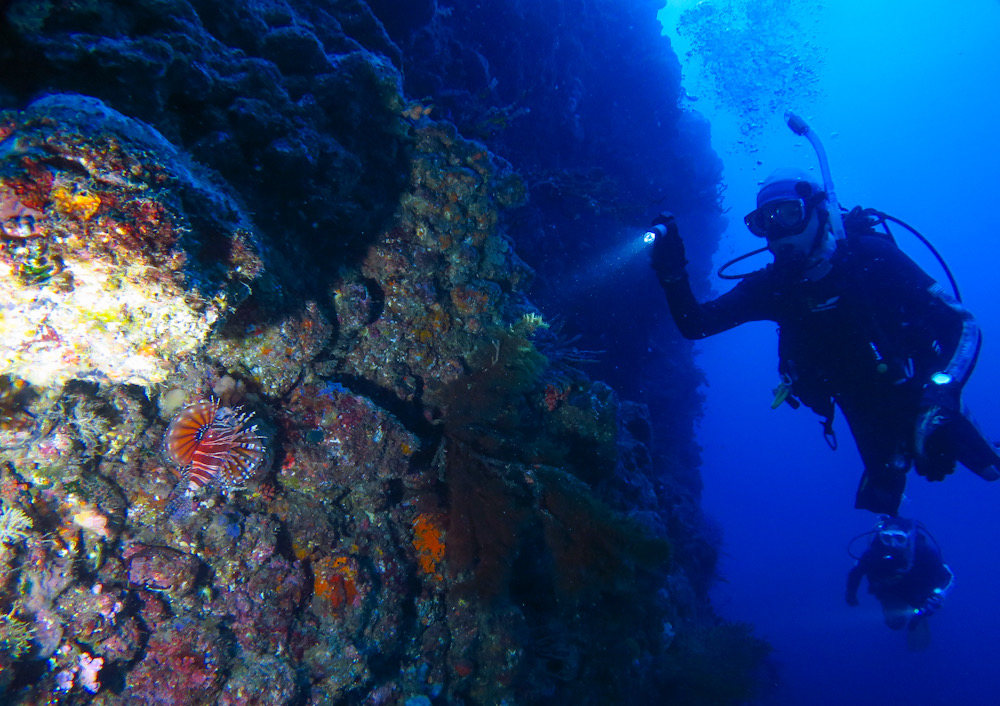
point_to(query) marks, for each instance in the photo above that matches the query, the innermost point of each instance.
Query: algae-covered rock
(447, 509)
(118, 255)
(272, 353)
(441, 284)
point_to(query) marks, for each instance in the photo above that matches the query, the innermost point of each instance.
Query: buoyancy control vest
(808, 375)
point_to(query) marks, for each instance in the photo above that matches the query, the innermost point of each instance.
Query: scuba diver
(861, 327)
(905, 573)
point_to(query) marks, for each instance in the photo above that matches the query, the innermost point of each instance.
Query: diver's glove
(668, 258)
(940, 407)
(934, 602)
(935, 444)
(946, 396)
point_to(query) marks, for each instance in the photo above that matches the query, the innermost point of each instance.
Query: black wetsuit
(868, 335)
(900, 590)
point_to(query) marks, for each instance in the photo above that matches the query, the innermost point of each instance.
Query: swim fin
(974, 451)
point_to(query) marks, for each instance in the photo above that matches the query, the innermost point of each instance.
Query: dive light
(659, 228)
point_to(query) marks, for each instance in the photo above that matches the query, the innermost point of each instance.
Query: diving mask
(894, 538)
(779, 219)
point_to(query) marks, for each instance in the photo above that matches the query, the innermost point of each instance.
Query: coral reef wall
(585, 98)
(284, 418)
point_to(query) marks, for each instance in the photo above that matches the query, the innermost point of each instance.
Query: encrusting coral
(131, 254)
(434, 496)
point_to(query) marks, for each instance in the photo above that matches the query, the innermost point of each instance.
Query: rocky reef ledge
(258, 451)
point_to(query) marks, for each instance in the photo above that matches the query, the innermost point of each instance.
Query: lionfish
(212, 444)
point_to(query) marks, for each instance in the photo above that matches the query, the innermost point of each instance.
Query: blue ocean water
(904, 98)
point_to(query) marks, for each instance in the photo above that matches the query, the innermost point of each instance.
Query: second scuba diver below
(860, 326)
(905, 573)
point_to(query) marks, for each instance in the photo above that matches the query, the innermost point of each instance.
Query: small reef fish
(212, 443)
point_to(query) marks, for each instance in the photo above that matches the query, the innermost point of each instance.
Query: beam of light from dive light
(610, 263)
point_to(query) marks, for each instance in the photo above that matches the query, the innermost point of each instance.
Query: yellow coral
(528, 324)
(92, 521)
(75, 203)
